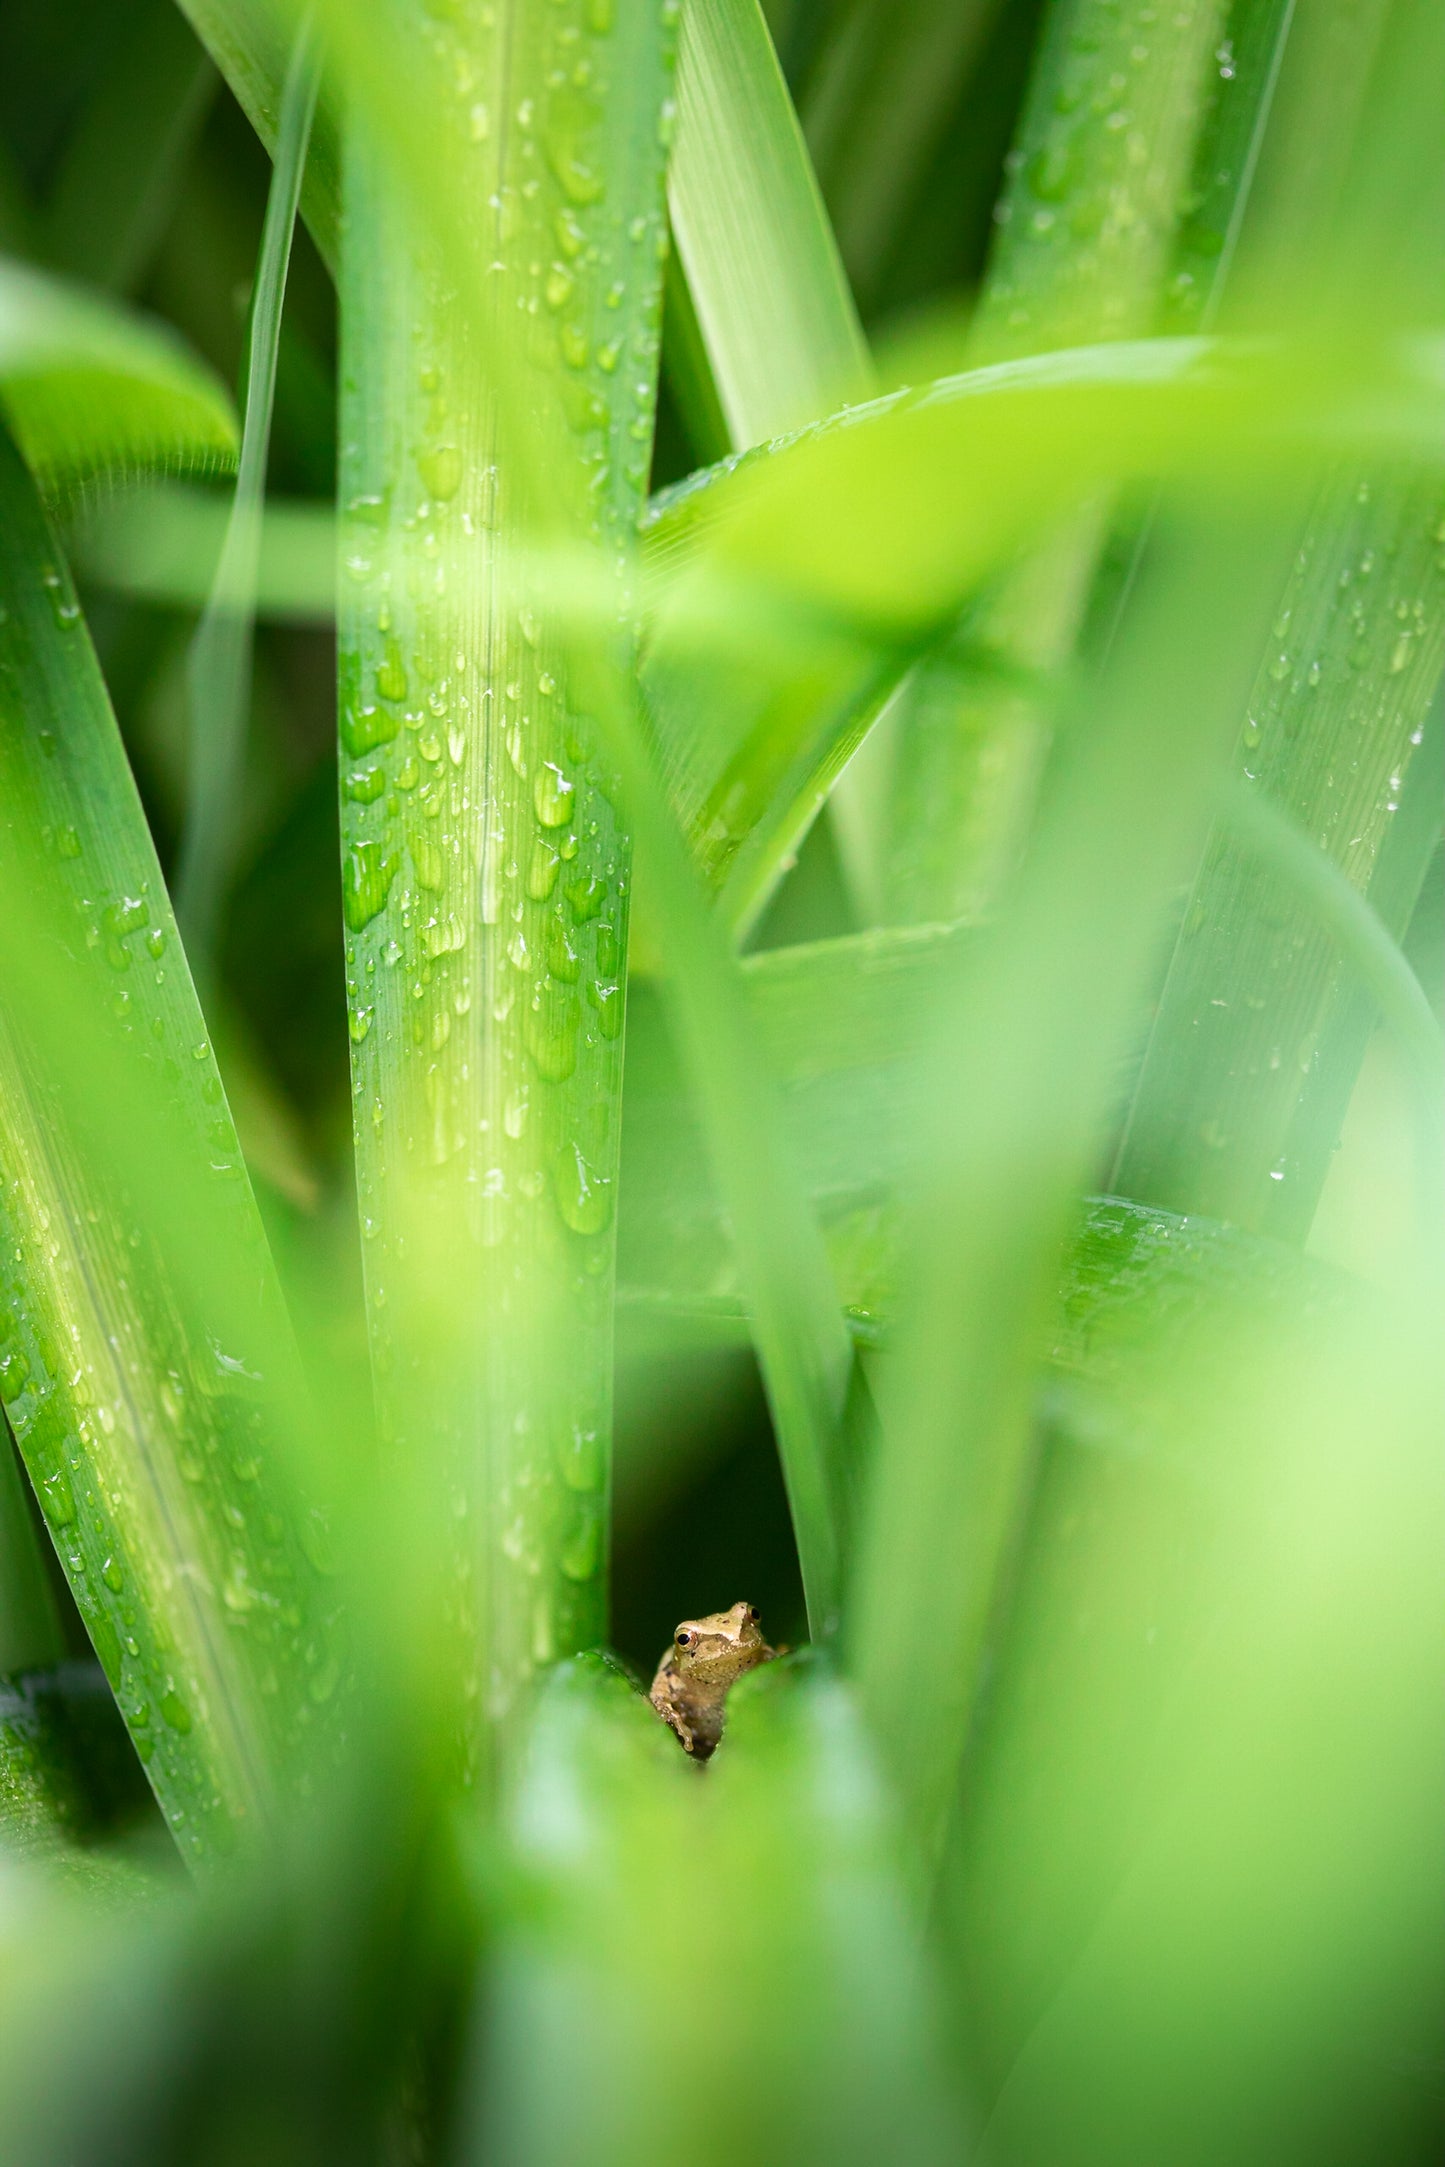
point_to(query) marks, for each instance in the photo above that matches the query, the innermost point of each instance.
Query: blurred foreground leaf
(95, 393)
(721, 1956)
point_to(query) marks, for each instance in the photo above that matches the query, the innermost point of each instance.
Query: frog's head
(715, 1650)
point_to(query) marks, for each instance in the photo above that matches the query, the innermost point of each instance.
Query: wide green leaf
(94, 393)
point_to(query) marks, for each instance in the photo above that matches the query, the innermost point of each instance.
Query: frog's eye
(752, 1614)
(684, 1639)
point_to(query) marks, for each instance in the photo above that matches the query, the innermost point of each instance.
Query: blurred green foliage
(1004, 1243)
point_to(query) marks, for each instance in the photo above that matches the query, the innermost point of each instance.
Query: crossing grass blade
(1380, 968)
(218, 671)
(250, 43)
(753, 733)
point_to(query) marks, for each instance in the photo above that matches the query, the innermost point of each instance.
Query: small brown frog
(692, 1680)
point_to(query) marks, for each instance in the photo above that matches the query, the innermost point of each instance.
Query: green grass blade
(1022, 1078)
(1297, 203)
(126, 153)
(1232, 136)
(95, 393)
(840, 1026)
(250, 42)
(1259, 1034)
(1087, 226)
(1333, 736)
(877, 103)
(486, 870)
(218, 668)
(689, 372)
(770, 295)
(147, 1368)
(1360, 935)
(29, 1621)
(803, 1347)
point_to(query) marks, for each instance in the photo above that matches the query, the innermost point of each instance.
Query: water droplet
(584, 1198)
(606, 998)
(582, 1553)
(441, 472)
(561, 955)
(324, 1681)
(553, 795)
(112, 1575)
(63, 605)
(106, 1642)
(391, 678)
(550, 1034)
(582, 1459)
(585, 898)
(57, 1499)
(175, 1711)
(364, 728)
(359, 1023)
(366, 877)
(581, 182)
(427, 860)
(444, 937)
(364, 785)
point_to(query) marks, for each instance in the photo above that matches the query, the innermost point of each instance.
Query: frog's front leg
(697, 1724)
